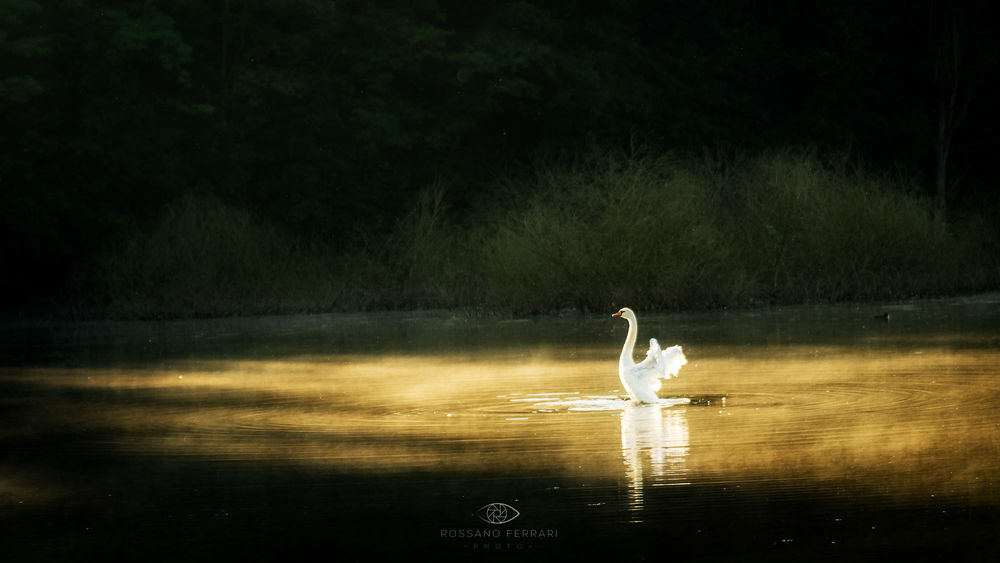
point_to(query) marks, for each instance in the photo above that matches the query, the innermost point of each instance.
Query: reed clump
(810, 229)
(207, 258)
(637, 230)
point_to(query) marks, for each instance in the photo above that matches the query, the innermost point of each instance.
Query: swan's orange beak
(618, 314)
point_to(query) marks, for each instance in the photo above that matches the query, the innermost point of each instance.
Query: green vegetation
(656, 231)
(204, 258)
(182, 157)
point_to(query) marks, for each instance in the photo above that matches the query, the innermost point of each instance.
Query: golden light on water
(810, 428)
(900, 423)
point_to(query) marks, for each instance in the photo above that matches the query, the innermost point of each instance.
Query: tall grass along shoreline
(661, 232)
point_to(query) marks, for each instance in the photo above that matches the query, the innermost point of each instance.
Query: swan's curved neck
(626, 358)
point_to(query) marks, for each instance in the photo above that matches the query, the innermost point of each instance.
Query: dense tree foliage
(328, 118)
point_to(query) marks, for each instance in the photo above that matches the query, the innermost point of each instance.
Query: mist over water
(819, 431)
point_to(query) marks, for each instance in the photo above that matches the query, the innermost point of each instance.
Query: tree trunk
(941, 146)
(945, 34)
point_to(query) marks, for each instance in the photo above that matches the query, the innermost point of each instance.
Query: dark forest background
(193, 157)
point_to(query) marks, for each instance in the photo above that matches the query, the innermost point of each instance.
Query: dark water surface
(801, 433)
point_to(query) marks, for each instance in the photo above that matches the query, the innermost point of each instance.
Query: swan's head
(625, 313)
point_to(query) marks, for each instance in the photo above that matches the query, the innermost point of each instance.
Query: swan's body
(642, 380)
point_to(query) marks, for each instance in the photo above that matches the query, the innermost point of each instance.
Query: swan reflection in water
(654, 437)
(655, 446)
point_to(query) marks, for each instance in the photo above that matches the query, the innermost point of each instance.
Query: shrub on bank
(205, 258)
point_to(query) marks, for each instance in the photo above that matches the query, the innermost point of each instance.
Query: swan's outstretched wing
(672, 359)
(653, 355)
(660, 363)
(648, 370)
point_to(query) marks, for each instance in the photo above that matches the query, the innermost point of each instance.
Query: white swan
(642, 380)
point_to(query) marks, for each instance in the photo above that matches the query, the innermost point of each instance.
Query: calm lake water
(801, 433)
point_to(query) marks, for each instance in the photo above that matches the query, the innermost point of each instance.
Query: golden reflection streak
(655, 444)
